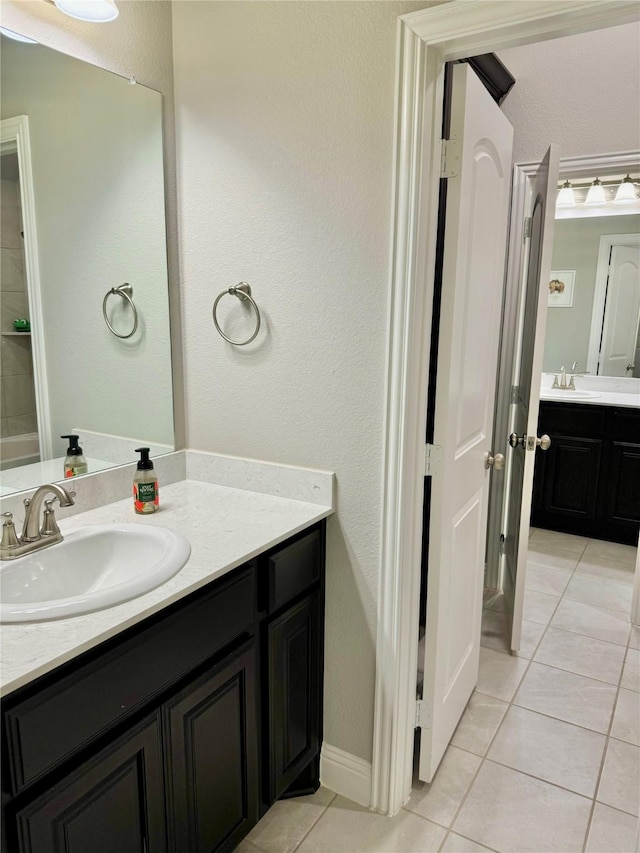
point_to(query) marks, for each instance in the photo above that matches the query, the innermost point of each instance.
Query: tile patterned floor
(547, 754)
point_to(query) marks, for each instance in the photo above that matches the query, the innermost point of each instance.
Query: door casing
(425, 41)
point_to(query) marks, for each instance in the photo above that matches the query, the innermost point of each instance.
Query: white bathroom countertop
(225, 526)
(606, 390)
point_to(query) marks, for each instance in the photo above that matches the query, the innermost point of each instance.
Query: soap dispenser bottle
(74, 461)
(146, 494)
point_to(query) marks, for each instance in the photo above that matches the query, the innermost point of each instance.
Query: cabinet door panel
(211, 730)
(113, 802)
(623, 492)
(294, 692)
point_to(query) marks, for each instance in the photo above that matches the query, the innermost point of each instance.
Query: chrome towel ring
(243, 292)
(126, 291)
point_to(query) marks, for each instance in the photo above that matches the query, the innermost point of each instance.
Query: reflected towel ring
(126, 291)
(243, 292)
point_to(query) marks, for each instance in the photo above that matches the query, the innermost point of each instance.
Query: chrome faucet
(563, 384)
(34, 536)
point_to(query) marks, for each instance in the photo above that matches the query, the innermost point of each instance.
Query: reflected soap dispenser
(146, 494)
(74, 461)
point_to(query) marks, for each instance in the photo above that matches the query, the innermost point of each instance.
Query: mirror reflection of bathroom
(593, 318)
(18, 421)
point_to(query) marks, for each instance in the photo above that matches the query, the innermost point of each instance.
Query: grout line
(315, 823)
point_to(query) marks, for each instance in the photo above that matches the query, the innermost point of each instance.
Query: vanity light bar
(625, 194)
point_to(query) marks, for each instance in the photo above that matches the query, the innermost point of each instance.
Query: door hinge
(432, 460)
(526, 229)
(423, 715)
(450, 158)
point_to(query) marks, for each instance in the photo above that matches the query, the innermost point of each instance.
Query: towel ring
(243, 292)
(126, 291)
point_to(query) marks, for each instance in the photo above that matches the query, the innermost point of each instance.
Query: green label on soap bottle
(146, 492)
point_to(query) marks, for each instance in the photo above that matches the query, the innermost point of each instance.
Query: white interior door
(526, 384)
(621, 313)
(473, 275)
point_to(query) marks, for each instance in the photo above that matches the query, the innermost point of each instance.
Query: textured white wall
(285, 116)
(580, 91)
(96, 151)
(137, 43)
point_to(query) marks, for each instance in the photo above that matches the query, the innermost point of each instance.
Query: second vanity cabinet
(588, 482)
(178, 734)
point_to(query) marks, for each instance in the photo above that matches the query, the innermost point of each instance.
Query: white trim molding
(346, 774)
(425, 41)
(14, 135)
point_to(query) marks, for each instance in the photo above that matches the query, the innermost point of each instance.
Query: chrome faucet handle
(572, 385)
(556, 384)
(9, 537)
(49, 523)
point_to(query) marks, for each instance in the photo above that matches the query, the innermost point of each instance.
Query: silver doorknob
(630, 367)
(544, 442)
(496, 461)
(515, 439)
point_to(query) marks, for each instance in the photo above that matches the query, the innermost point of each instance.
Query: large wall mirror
(82, 191)
(594, 300)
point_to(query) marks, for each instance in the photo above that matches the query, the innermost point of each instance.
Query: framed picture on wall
(561, 288)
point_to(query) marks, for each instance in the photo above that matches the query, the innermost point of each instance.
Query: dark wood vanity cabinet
(588, 482)
(178, 734)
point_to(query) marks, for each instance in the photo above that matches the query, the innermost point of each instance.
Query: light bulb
(566, 196)
(94, 11)
(596, 195)
(626, 193)
(16, 36)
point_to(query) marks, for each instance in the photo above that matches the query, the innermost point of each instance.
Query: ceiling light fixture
(16, 36)
(626, 193)
(566, 196)
(94, 11)
(596, 195)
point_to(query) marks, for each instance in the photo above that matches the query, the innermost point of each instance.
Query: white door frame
(14, 136)
(607, 242)
(425, 41)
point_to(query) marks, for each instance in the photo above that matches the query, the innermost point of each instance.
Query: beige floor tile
(626, 717)
(288, 821)
(600, 593)
(479, 723)
(439, 800)
(247, 847)
(499, 674)
(552, 541)
(610, 570)
(531, 635)
(599, 551)
(547, 579)
(631, 671)
(582, 655)
(566, 696)
(609, 625)
(539, 606)
(457, 844)
(346, 827)
(634, 638)
(611, 831)
(509, 811)
(549, 749)
(494, 630)
(620, 780)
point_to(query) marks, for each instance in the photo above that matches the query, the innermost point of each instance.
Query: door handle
(530, 441)
(630, 367)
(496, 461)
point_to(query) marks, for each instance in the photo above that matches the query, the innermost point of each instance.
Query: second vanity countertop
(225, 526)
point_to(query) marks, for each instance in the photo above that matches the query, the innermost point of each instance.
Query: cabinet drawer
(48, 727)
(293, 569)
(567, 419)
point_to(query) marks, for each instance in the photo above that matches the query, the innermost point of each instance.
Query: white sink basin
(562, 394)
(92, 568)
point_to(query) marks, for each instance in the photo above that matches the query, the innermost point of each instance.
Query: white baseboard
(346, 774)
